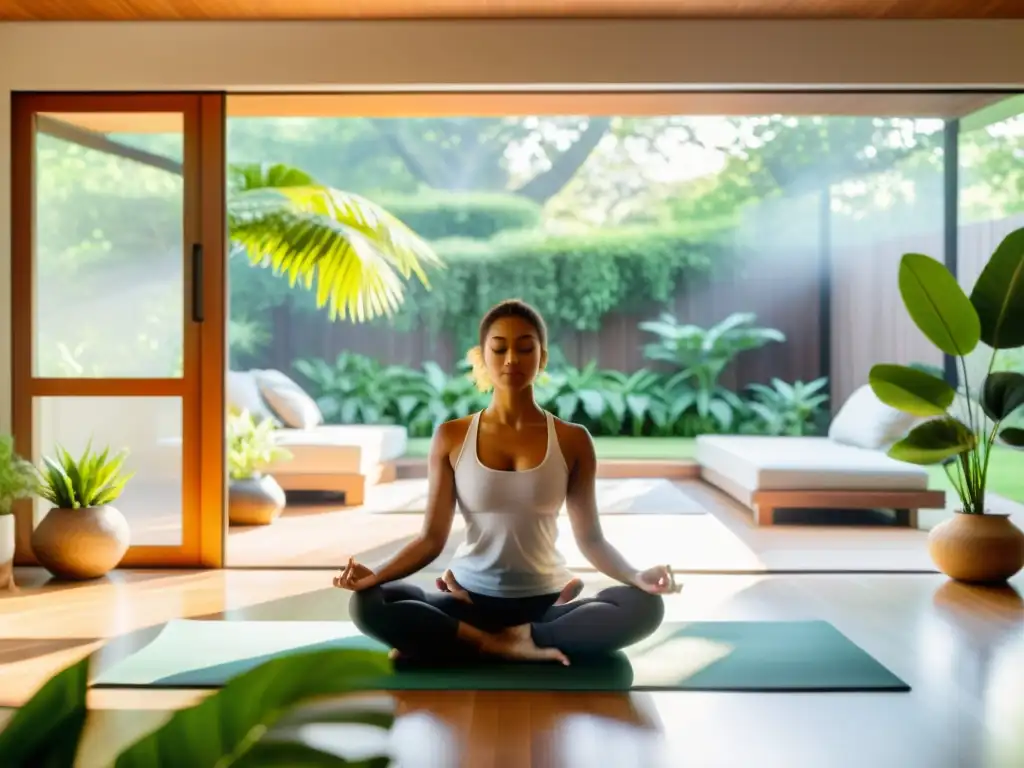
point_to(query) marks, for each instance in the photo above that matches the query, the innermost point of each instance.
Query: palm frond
(355, 252)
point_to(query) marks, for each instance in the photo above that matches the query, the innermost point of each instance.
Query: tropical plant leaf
(1002, 394)
(45, 732)
(998, 295)
(220, 730)
(354, 251)
(294, 754)
(934, 441)
(910, 390)
(1013, 436)
(938, 305)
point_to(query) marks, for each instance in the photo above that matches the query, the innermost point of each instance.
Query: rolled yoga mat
(765, 656)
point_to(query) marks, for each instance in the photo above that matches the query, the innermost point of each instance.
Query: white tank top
(511, 522)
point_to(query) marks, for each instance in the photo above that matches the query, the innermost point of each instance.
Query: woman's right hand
(354, 576)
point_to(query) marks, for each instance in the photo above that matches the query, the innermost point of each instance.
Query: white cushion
(804, 463)
(864, 421)
(288, 401)
(355, 448)
(244, 394)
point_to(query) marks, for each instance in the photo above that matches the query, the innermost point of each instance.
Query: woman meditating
(507, 592)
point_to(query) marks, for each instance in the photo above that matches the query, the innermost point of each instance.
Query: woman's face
(513, 354)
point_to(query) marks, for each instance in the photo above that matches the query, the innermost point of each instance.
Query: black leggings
(404, 617)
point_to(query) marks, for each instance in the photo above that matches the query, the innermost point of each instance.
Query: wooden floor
(961, 649)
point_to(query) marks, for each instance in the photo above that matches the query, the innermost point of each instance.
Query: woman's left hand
(355, 576)
(658, 580)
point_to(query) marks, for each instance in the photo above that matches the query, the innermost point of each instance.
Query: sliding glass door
(118, 296)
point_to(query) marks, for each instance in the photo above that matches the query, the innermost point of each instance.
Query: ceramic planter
(977, 548)
(81, 543)
(255, 500)
(6, 552)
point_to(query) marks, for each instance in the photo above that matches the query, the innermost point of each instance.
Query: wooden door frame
(203, 398)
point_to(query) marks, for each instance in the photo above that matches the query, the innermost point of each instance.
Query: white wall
(311, 56)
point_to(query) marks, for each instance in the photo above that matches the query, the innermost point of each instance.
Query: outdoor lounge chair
(324, 458)
(849, 469)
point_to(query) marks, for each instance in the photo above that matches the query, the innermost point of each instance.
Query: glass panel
(109, 263)
(150, 429)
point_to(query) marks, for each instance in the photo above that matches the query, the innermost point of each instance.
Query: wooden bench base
(353, 486)
(764, 503)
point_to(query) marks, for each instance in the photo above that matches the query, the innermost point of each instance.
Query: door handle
(197, 283)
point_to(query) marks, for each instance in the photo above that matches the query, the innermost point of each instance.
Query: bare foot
(570, 591)
(516, 643)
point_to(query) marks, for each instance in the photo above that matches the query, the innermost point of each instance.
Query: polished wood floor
(961, 649)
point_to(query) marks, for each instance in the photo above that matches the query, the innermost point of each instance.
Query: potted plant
(254, 498)
(83, 536)
(959, 430)
(17, 481)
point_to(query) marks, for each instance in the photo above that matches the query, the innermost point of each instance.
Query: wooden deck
(725, 540)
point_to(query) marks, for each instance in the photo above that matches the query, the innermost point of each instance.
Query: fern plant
(251, 445)
(17, 476)
(92, 480)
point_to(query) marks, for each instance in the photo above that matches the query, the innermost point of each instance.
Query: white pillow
(244, 394)
(864, 421)
(288, 401)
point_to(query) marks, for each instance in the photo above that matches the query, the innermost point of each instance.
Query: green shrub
(359, 390)
(438, 215)
(574, 280)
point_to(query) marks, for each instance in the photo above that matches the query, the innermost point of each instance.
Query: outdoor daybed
(329, 458)
(849, 469)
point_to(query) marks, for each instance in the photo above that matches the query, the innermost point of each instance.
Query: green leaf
(998, 295)
(938, 305)
(45, 732)
(1002, 394)
(934, 441)
(1013, 436)
(353, 250)
(220, 730)
(293, 754)
(910, 390)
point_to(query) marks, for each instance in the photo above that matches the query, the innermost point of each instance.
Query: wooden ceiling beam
(228, 10)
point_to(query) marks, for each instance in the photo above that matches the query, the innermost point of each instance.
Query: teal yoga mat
(698, 656)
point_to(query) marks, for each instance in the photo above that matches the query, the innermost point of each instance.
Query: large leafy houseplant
(258, 719)
(960, 429)
(84, 535)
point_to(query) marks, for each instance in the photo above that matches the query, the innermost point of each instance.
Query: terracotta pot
(6, 552)
(255, 500)
(977, 548)
(81, 543)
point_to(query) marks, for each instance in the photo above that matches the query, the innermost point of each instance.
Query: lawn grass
(1005, 472)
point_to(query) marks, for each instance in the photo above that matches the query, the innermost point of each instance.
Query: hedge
(574, 280)
(440, 215)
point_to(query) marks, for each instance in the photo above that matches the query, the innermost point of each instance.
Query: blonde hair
(479, 375)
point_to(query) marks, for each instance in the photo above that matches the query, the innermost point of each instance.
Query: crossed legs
(421, 625)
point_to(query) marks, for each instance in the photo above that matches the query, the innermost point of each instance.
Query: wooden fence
(779, 280)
